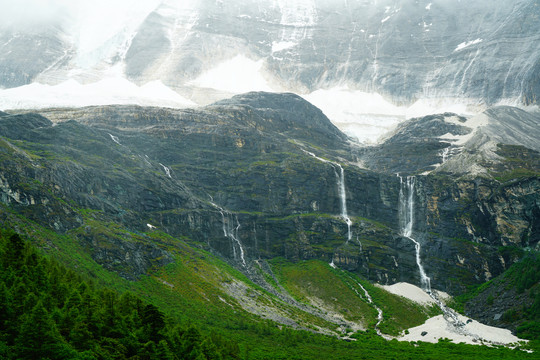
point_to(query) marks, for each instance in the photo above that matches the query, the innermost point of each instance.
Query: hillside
(256, 213)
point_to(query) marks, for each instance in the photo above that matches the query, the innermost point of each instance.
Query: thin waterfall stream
(406, 212)
(379, 310)
(341, 190)
(406, 221)
(367, 296)
(343, 202)
(231, 231)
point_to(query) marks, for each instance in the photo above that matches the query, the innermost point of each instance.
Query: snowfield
(104, 92)
(435, 328)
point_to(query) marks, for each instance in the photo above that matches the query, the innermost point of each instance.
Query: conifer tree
(38, 337)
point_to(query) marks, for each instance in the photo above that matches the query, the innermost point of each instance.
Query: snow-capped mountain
(393, 58)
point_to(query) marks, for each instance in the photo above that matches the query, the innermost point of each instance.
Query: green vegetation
(521, 278)
(314, 281)
(48, 311)
(177, 313)
(516, 174)
(520, 162)
(525, 275)
(399, 313)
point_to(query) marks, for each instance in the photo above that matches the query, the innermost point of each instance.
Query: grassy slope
(341, 292)
(190, 290)
(521, 280)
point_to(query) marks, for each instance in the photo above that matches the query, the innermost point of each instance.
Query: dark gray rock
(242, 164)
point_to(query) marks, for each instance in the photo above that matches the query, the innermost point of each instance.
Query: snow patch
(465, 44)
(472, 332)
(282, 45)
(409, 291)
(237, 75)
(361, 115)
(104, 92)
(474, 123)
(425, 107)
(385, 19)
(98, 34)
(357, 101)
(428, 7)
(298, 13)
(368, 116)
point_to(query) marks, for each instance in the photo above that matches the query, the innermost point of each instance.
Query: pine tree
(14, 253)
(154, 322)
(38, 337)
(191, 344)
(210, 349)
(163, 352)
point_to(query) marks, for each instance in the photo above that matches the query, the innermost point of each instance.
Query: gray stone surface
(405, 50)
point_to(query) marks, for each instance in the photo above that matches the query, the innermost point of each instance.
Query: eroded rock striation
(256, 177)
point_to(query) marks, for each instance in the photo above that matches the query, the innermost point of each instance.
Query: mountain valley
(277, 179)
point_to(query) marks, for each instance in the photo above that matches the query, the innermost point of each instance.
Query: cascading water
(166, 169)
(341, 190)
(379, 310)
(343, 200)
(406, 219)
(444, 154)
(366, 295)
(115, 139)
(230, 230)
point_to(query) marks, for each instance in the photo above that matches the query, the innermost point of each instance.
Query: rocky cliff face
(404, 50)
(259, 176)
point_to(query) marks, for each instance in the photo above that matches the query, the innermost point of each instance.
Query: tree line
(50, 312)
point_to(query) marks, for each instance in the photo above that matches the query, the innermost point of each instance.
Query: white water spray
(444, 154)
(406, 219)
(233, 234)
(343, 203)
(115, 139)
(166, 169)
(341, 190)
(230, 230)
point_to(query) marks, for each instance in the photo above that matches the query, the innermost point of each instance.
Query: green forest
(48, 311)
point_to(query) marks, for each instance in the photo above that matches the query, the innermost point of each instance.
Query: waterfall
(379, 310)
(343, 202)
(406, 221)
(230, 231)
(166, 169)
(234, 236)
(341, 190)
(444, 154)
(115, 139)
(367, 296)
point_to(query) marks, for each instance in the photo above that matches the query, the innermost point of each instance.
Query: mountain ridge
(299, 46)
(198, 170)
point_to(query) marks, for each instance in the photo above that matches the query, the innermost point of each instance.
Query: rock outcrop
(258, 176)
